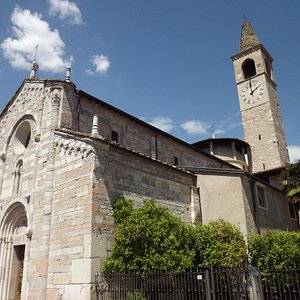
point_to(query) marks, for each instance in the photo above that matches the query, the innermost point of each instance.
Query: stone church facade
(66, 156)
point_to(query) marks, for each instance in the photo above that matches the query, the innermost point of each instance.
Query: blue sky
(164, 61)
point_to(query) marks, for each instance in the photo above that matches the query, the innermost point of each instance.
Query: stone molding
(73, 147)
(56, 95)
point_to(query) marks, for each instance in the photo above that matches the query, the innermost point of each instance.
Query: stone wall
(120, 173)
(276, 214)
(27, 125)
(133, 134)
(262, 120)
(234, 197)
(222, 196)
(71, 263)
(89, 174)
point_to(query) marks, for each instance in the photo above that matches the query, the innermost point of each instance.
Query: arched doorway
(13, 239)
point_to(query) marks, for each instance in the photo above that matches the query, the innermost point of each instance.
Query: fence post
(207, 284)
(255, 286)
(213, 275)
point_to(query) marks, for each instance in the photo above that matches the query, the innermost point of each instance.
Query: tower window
(115, 136)
(249, 68)
(268, 68)
(259, 137)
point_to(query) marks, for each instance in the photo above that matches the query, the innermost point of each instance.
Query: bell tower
(259, 103)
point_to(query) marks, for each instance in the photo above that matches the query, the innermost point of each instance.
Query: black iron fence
(202, 283)
(281, 284)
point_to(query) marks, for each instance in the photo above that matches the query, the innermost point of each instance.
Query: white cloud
(29, 30)
(101, 63)
(89, 72)
(294, 152)
(65, 10)
(195, 127)
(219, 131)
(163, 123)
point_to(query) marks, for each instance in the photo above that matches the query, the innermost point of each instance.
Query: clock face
(252, 91)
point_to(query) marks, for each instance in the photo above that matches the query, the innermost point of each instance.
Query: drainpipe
(200, 206)
(253, 194)
(192, 204)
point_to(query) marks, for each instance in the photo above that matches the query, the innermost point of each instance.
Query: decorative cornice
(73, 147)
(251, 50)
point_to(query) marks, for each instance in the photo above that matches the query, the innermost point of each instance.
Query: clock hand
(251, 93)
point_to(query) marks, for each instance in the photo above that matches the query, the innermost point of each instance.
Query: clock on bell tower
(259, 104)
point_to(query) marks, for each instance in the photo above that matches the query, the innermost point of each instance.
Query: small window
(268, 68)
(249, 68)
(261, 196)
(259, 137)
(176, 161)
(115, 136)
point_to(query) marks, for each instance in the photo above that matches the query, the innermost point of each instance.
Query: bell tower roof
(248, 37)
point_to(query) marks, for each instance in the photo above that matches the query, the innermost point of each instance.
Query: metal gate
(204, 283)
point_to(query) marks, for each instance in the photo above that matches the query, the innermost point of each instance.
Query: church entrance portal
(13, 239)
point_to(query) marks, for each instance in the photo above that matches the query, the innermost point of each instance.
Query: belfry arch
(14, 236)
(249, 69)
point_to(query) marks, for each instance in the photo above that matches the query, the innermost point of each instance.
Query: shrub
(135, 296)
(221, 244)
(274, 249)
(149, 238)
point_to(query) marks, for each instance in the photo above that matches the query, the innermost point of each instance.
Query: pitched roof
(248, 37)
(220, 141)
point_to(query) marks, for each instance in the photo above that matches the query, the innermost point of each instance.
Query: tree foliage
(148, 238)
(219, 243)
(274, 249)
(291, 180)
(151, 238)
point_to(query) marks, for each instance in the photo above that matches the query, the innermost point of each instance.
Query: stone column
(95, 127)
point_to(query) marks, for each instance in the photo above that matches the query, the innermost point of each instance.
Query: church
(66, 156)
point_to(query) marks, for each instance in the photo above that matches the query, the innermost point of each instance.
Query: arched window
(22, 137)
(17, 176)
(249, 68)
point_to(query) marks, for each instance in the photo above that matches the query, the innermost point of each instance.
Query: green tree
(221, 244)
(274, 249)
(149, 238)
(291, 180)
